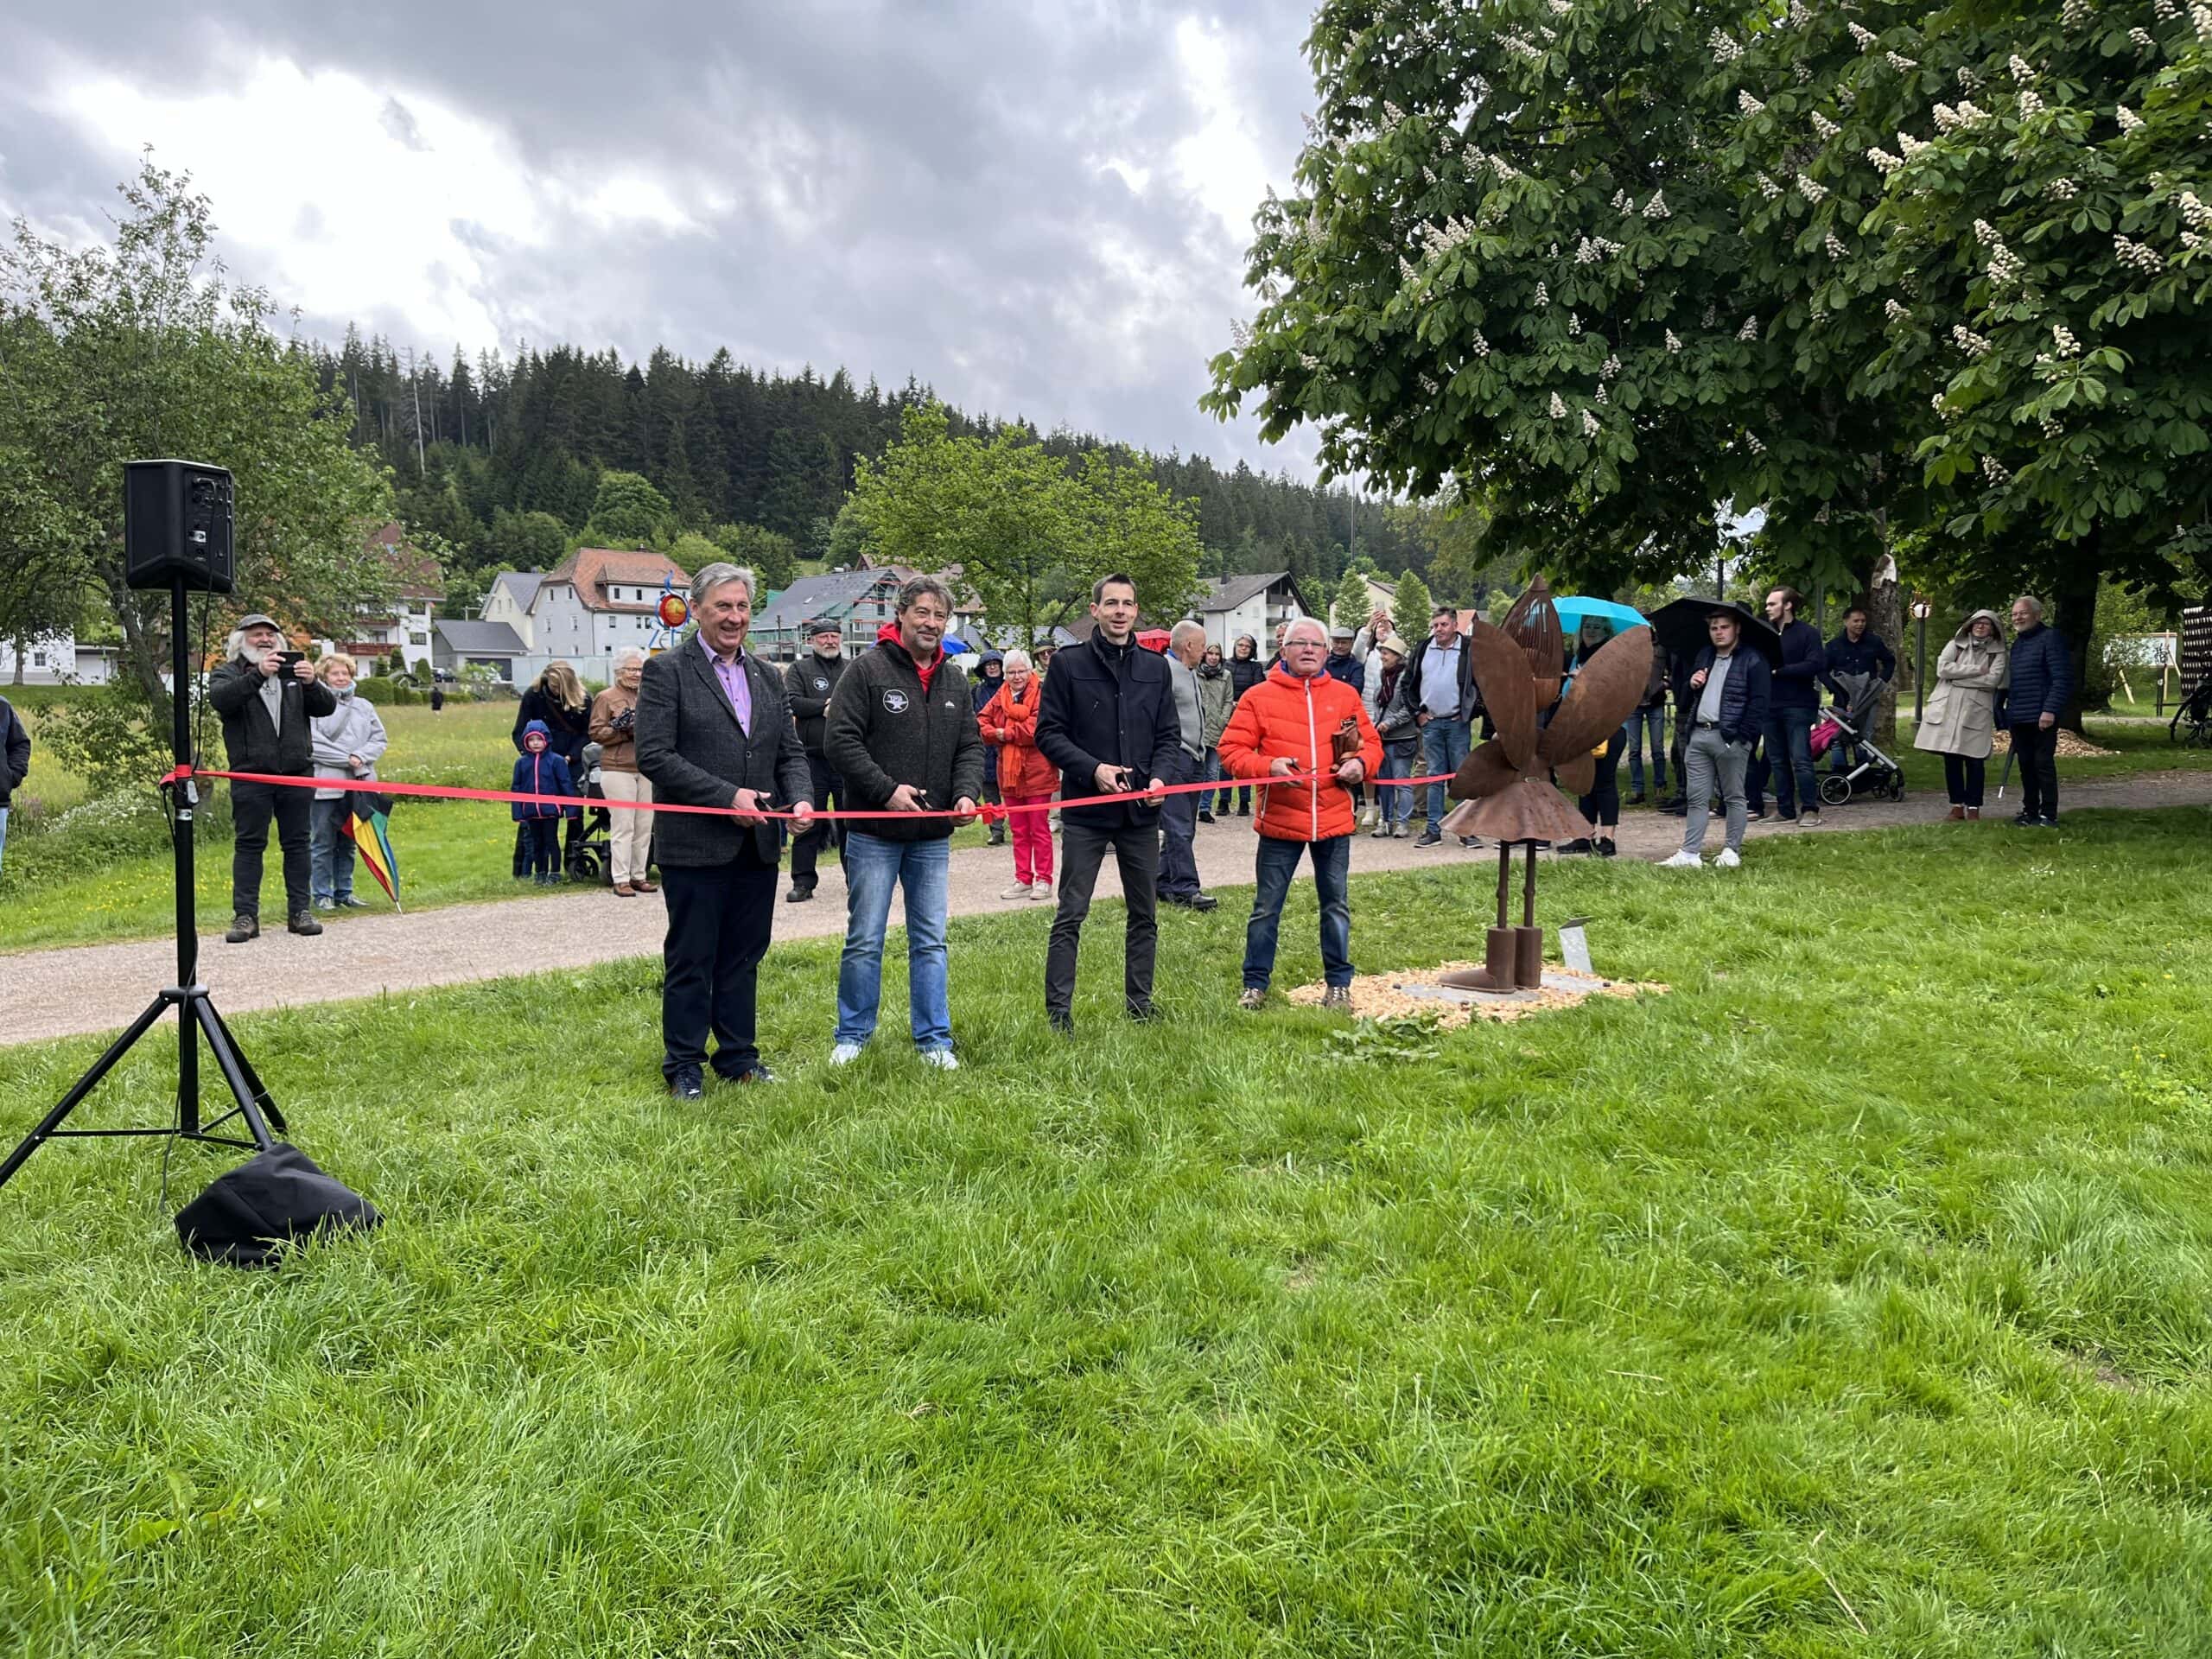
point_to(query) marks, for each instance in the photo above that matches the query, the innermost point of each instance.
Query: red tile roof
(592, 570)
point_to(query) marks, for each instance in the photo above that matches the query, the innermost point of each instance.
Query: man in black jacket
(809, 684)
(1108, 721)
(902, 734)
(714, 729)
(1859, 664)
(1788, 753)
(265, 703)
(15, 763)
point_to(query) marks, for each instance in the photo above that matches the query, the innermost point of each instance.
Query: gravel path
(101, 986)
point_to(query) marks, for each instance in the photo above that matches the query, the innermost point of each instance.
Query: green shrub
(388, 693)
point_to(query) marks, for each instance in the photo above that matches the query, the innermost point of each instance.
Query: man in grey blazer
(714, 728)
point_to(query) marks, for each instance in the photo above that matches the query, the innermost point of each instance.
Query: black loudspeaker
(176, 526)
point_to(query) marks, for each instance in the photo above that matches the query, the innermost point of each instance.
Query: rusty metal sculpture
(1505, 786)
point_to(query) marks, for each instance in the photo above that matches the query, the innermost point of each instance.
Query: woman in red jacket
(1286, 725)
(1026, 777)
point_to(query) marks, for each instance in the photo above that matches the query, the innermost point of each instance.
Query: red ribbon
(986, 811)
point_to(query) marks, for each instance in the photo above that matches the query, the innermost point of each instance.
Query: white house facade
(597, 601)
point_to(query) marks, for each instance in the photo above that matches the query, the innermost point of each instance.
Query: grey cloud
(911, 188)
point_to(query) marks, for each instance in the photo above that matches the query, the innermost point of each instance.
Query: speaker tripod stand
(195, 1010)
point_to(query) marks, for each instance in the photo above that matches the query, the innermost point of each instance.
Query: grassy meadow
(1854, 1298)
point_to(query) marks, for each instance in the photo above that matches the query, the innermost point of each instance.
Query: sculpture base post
(1528, 957)
(1497, 971)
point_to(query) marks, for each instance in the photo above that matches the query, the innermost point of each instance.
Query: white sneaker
(1726, 859)
(1041, 893)
(844, 1053)
(1019, 890)
(1683, 860)
(942, 1058)
(1808, 820)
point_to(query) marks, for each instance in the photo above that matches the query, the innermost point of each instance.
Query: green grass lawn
(1870, 1265)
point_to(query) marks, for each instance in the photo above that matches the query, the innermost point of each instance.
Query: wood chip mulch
(2071, 748)
(1378, 996)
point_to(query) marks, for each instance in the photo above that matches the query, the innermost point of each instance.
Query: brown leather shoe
(1973, 814)
(624, 890)
(1957, 813)
(645, 886)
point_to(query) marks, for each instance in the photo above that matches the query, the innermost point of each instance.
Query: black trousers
(570, 837)
(252, 806)
(828, 791)
(1083, 848)
(1962, 778)
(719, 920)
(2035, 751)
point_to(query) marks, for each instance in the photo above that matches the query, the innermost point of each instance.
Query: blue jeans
(1178, 823)
(1443, 748)
(872, 867)
(4, 834)
(1787, 757)
(1278, 862)
(1654, 719)
(330, 850)
(1397, 804)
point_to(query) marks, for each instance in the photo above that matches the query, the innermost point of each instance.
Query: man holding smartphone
(1107, 721)
(265, 695)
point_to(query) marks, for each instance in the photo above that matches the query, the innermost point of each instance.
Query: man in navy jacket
(2041, 682)
(1730, 692)
(1788, 753)
(1106, 719)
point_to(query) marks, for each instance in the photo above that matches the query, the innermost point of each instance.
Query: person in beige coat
(614, 729)
(1960, 718)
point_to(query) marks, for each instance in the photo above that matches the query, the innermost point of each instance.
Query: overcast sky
(1042, 210)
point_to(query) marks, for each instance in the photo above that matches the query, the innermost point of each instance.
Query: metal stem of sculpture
(1506, 789)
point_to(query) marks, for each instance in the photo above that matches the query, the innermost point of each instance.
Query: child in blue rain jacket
(541, 770)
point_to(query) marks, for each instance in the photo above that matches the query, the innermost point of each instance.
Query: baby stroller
(592, 858)
(1871, 771)
(2192, 721)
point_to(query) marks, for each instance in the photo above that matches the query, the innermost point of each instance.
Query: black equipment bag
(245, 1217)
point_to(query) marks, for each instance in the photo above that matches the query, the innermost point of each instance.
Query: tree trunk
(2073, 605)
(142, 650)
(1884, 599)
(23, 648)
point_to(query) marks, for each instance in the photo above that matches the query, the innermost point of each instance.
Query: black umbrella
(1679, 626)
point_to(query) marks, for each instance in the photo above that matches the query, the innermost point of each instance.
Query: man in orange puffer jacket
(1285, 725)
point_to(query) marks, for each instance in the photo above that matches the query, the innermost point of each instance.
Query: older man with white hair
(1178, 814)
(713, 728)
(268, 699)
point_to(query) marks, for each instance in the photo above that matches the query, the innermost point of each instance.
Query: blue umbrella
(1573, 609)
(954, 645)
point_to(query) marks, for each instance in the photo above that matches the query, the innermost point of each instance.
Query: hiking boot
(243, 927)
(1973, 815)
(797, 895)
(1253, 999)
(303, 924)
(1957, 815)
(1337, 997)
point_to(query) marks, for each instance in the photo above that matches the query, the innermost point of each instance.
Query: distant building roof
(480, 638)
(521, 586)
(592, 570)
(1227, 593)
(418, 572)
(811, 596)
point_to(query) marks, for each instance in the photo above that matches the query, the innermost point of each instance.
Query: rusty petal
(1484, 772)
(1501, 676)
(1608, 685)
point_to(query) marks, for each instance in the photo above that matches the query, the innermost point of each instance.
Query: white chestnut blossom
(1673, 345)
(1543, 296)
(1968, 81)
(1800, 71)
(2061, 189)
(1240, 336)
(2004, 266)
(1724, 50)
(1883, 162)
(2074, 13)
(1711, 316)
(1972, 344)
(1573, 322)
(2021, 72)
(1601, 393)
(1825, 127)
(2141, 40)
(1834, 244)
(1769, 188)
(1899, 61)
(2201, 18)
(1911, 146)
(2129, 121)
(1558, 407)
(1895, 312)
(1656, 207)
(2136, 257)
(1747, 104)
(2197, 216)
(1561, 8)
(1867, 38)
(2166, 11)
(1622, 204)
(1752, 439)
(2063, 341)
(1589, 424)
(2030, 102)
(1750, 331)
(1608, 370)
(1810, 190)
(1995, 470)
(1480, 348)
